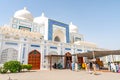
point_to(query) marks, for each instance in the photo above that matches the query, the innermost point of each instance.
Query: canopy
(54, 55)
(95, 54)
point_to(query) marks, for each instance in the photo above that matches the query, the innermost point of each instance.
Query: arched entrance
(34, 58)
(59, 36)
(57, 39)
(80, 60)
(68, 60)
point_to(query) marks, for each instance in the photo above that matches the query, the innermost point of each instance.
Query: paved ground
(60, 75)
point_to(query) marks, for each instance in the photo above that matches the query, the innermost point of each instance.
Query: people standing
(76, 66)
(68, 64)
(113, 67)
(55, 66)
(73, 66)
(109, 66)
(88, 67)
(91, 65)
(117, 67)
(94, 68)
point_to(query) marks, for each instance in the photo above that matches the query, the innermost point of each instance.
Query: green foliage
(3, 70)
(24, 66)
(13, 66)
(27, 66)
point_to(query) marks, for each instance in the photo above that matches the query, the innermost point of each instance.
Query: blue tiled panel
(61, 51)
(88, 50)
(11, 43)
(50, 28)
(23, 53)
(25, 39)
(79, 50)
(52, 47)
(24, 44)
(44, 53)
(35, 45)
(67, 49)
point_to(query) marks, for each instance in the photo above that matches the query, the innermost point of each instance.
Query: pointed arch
(57, 39)
(68, 60)
(8, 54)
(59, 35)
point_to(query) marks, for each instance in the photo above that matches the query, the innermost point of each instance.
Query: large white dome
(73, 28)
(23, 14)
(40, 20)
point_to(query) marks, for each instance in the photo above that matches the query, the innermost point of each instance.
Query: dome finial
(25, 8)
(43, 14)
(23, 14)
(71, 23)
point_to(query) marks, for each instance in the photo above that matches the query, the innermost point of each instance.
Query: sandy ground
(60, 75)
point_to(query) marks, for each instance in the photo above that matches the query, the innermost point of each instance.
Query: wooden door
(80, 60)
(68, 60)
(34, 59)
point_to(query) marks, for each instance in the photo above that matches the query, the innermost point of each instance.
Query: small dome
(73, 28)
(40, 20)
(23, 14)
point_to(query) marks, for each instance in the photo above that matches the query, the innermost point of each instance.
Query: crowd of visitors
(90, 67)
(114, 67)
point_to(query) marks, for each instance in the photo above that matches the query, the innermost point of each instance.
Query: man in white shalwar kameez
(76, 66)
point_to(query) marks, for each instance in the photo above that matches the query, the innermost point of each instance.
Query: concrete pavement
(60, 75)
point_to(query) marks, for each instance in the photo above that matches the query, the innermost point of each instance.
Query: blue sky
(97, 20)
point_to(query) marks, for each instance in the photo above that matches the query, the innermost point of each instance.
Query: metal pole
(50, 62)
(93, 55)
(112, 58)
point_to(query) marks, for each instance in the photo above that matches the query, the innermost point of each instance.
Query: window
(57, 39)
(9, 54)
(77, 39)
(24, 28)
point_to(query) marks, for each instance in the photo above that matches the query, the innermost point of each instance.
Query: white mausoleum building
(31, 40)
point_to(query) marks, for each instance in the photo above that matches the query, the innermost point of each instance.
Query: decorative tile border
(50, 29)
